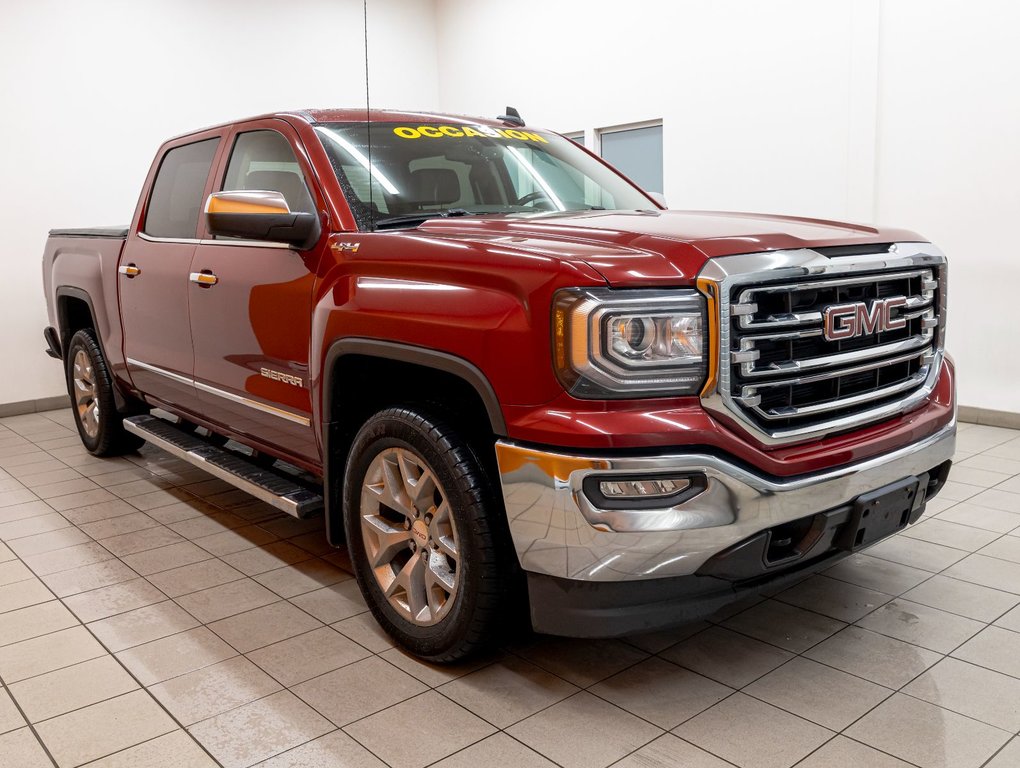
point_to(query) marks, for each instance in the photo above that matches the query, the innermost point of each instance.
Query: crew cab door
(153, 272)
(251, 303)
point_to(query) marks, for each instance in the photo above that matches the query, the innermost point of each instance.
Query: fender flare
(408, 353)
(120, 401)
(62, 323)
(389, 350)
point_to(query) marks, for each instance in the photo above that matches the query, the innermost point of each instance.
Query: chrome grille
(784, 373)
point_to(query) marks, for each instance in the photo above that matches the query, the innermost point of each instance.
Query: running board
(266, 485)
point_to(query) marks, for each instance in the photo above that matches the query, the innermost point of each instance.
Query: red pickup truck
(510, 379)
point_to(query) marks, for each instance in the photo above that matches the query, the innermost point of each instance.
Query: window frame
(236, 137)
(622, 128)
(167, 149)
(308, 174)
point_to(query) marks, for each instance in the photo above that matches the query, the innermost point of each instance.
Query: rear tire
(90, 388)
(426, 536)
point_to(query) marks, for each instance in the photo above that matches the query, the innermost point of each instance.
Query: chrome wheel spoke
(436, 593)
(395, 488)
(85, 394)
(91, 416)
(440, 584)
(439, 574)
(382, 540)
(385, 484)
(448, 547)
(408, 468)
(422, 490)
(442, 533)
(409, 584)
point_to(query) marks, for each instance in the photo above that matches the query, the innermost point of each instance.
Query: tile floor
(152, 616)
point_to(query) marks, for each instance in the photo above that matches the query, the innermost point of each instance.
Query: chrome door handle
(129, 270)
(205, 279)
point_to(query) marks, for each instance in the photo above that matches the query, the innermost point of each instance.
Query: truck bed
(79, 267)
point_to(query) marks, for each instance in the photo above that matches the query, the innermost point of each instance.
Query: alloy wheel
(85, 395)
(409, 536)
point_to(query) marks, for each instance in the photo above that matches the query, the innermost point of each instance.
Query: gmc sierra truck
(507, 376)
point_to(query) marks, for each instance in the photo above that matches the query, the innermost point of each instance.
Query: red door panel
(153, 271)
(154, 313)
(251, 332)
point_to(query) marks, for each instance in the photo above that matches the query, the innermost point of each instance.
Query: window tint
(637, 152)
(535, 173)
(481, 169)
(264, 160)
(177, 192)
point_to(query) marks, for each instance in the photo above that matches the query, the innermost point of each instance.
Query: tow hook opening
(790, 541)
(937, 478)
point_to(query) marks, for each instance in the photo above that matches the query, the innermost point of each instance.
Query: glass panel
(264, 160)
(637, 152)
(423, 170)
(176, 198)
(577, 138)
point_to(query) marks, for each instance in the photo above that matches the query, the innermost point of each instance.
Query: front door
(153, 275)
(251, 307)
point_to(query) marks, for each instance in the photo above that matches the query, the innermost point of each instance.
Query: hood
(656, 247)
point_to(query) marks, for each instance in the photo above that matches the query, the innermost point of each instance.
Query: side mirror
(259, 215)
(659, 198)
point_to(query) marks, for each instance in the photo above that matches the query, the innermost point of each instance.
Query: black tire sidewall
(392, 429)
(85, 340)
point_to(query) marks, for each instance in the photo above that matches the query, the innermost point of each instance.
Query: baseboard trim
(33, 406)
(989, 417)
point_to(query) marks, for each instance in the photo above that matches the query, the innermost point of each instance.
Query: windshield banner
(465, 132)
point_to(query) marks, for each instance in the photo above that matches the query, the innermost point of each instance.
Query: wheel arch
(362, 376)
(75, 311)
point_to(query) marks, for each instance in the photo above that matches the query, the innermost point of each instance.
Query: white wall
(755, 97)
(949, 165)
(90, 88)
(904, 112)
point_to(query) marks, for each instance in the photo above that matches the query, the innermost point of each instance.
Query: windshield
(420, 171)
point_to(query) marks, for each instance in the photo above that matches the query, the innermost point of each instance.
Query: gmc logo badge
(845, 321)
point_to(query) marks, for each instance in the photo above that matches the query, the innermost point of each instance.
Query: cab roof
(344, 115)
(357, 115)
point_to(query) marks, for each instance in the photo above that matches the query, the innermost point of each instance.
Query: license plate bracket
(879, 513)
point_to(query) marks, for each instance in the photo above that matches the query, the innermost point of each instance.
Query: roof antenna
(512, 116)
(368, 123)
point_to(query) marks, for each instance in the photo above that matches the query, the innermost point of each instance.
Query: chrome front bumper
(557, 531)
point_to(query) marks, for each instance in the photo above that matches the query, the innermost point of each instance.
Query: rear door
(153, 274)
(251, 326)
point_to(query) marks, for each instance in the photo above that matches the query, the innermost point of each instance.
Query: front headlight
(629, 343)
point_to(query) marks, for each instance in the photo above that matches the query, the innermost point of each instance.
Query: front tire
(425, 536)
(90, 387)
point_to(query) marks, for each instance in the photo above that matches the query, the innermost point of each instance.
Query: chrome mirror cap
(247, 201)
(260, 215)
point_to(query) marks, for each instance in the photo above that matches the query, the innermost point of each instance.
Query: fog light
(623, 489)
(638, 492)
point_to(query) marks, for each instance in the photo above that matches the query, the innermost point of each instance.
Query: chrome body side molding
(258, 406)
